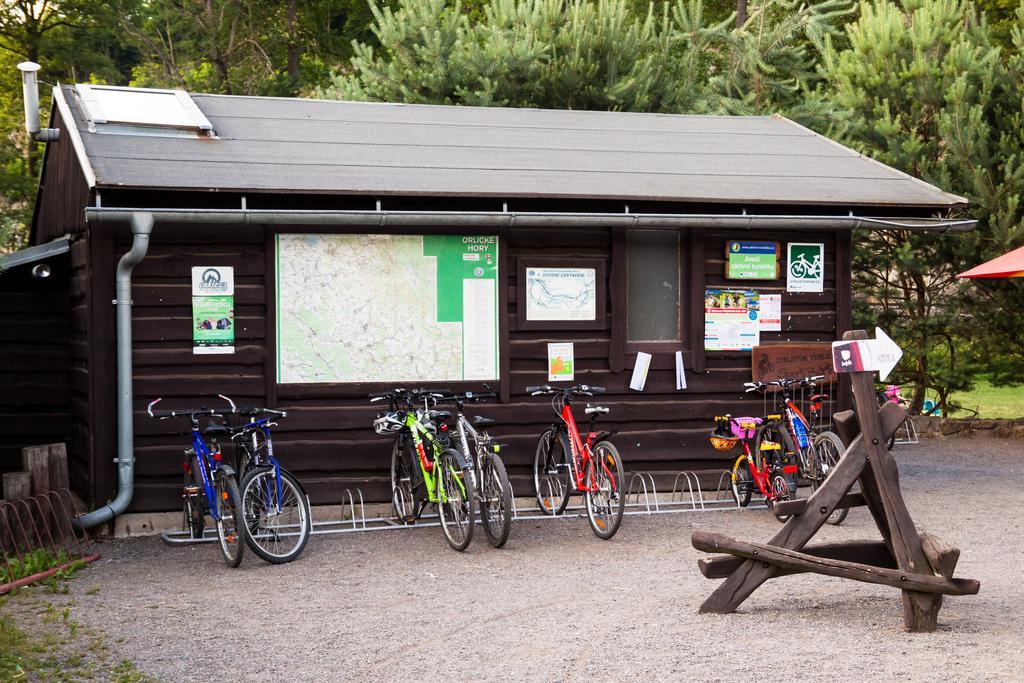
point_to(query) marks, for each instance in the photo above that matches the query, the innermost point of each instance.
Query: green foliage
(592, 55)
(924, 88)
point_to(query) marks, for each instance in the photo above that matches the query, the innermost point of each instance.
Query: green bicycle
(442, 477)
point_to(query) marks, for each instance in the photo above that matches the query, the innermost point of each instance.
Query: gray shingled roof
(301, 145)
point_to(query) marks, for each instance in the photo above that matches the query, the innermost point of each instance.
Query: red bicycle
(568, 463)
(768, 474)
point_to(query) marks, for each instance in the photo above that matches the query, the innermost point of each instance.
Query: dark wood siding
(63, 191)
(326, 438)
(34, 360)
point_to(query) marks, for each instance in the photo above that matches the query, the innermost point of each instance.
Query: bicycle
(494, 492)
(801, 267)
(275, 505)
(444, 478)
(210, 485)
(768, 475)
(566, 463)
(816, 452)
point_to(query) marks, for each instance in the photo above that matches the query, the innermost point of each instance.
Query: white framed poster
(805, 267)
(561, 293)
(731, 320)
(213, 310)
(560, 362)
(771, 312)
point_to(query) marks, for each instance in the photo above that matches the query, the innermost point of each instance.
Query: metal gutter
(142, 226)
(61, 245)
(510, 219)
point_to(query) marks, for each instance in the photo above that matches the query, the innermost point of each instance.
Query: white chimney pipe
(30, 90)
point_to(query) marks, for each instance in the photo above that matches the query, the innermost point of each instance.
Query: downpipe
(142, 225)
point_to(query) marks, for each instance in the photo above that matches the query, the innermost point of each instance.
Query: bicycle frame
(582, 451)
(421, 435)
(263, 425)
(208, 462)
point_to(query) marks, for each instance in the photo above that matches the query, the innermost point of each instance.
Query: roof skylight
(128, 110)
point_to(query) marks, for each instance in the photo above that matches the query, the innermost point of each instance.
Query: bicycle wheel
(742, 482)
(830, 449)
(230, 531)
(402, 502)
(455, 500)
(552, 475)
(606, 504)
(495, 499)
(278, 523)
(780, 493)
(194, 519)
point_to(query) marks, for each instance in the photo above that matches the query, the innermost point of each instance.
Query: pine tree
(925, 89)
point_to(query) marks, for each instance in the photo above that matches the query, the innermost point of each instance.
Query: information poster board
(731, 320)
(805, 267)
(561, 293)
(745, 260)
(213, 309)
(560, 362)
(387, 308)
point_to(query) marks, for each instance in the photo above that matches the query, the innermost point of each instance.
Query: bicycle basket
(388, 422)
(721, 438)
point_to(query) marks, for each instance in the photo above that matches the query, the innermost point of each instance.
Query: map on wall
(561, 293)
(386, 308)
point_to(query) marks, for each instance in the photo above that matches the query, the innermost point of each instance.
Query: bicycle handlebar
(580, 389)
(189, 412)
(784, 383)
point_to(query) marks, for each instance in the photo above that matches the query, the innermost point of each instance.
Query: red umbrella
(1010, 264)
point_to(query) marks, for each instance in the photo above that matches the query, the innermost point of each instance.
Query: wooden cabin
(369, 246)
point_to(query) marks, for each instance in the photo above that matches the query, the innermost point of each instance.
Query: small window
(652, 289)
(123, 109)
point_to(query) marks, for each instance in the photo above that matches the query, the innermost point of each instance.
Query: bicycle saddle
(213, 429)
(440, 414)
(819, 397)
(598, 410)
(481, 421)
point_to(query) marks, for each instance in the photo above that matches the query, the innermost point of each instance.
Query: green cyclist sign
(805, 267)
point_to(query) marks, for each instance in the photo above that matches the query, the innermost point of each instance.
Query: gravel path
(558, 604)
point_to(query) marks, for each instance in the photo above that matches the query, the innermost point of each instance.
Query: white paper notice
(771, 313)
(479, 341)
(643, 364)
(680, 373)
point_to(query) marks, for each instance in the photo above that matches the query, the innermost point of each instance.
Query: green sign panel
(213, 309)
(214, 329)
(751, 260)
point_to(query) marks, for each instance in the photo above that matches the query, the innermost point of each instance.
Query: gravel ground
(559, 604)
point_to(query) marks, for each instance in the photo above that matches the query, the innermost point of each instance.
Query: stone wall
(968, 427)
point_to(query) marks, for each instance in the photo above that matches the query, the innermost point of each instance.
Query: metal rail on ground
(642, 498)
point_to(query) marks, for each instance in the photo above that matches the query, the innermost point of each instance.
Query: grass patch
(40, 641)
(39, 561)
(991, 402)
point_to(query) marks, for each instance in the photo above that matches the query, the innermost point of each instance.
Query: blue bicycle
(210, 484)
(278, 522)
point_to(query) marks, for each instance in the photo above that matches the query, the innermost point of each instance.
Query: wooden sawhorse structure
(919, 564)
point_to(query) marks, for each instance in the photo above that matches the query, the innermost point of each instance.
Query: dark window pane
(652, 268)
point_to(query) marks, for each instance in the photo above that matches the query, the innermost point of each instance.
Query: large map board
(386, 308)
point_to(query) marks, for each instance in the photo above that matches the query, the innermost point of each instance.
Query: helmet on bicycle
(722, 438)
(388, 422)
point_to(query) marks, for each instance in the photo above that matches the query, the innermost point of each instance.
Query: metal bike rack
(642, 498)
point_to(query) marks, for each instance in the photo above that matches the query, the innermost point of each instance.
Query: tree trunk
(292, 15)
(741, 13)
